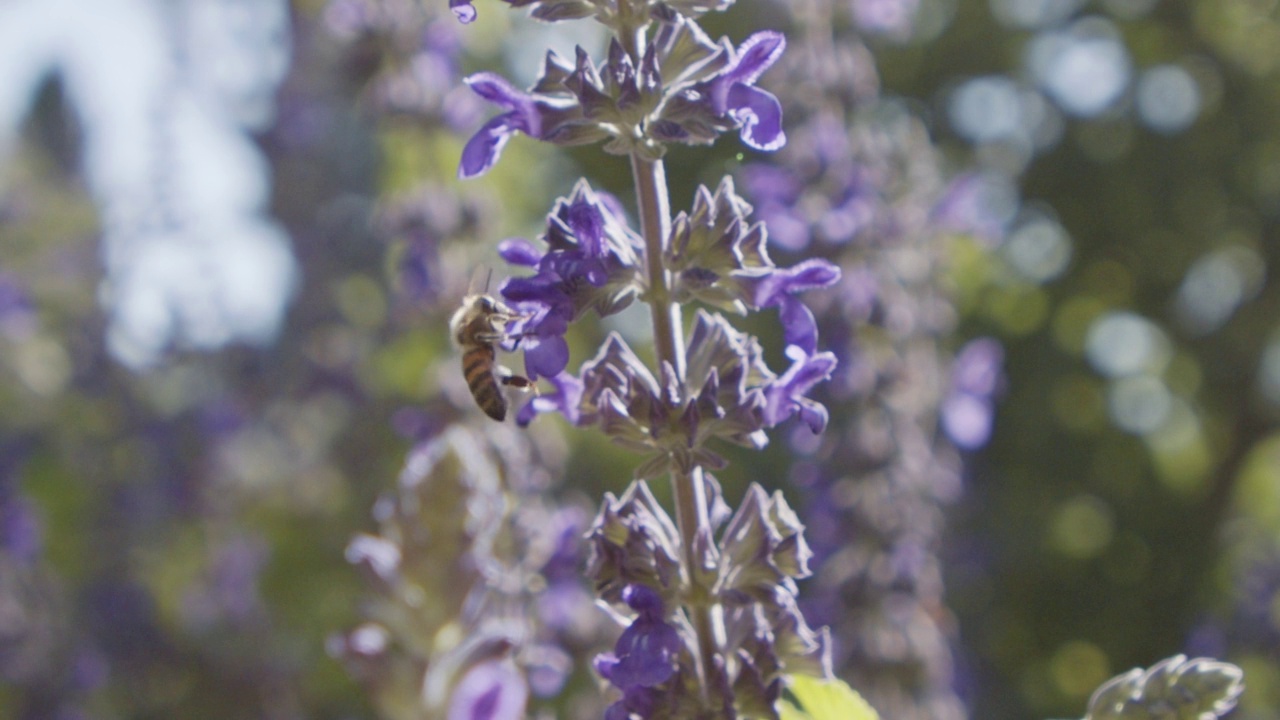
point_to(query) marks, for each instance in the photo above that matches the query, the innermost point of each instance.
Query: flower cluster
(750, 574)
(590, 264)
(684, 88)
(463, 507)
(859, 184)
(715, 255)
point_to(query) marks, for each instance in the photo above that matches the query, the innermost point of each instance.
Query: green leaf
(824, 700)
(787, 711)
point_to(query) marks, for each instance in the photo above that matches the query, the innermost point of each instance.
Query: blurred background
(231, 239)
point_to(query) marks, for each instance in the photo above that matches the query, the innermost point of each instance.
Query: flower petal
(813, 414)
(587, 222)
(491, 690)
(463, 10)
(760, 114)
(566, 399)
(757, 54)
(799, 329)
(547, 357)
(519, 251)
(495, 88)
(483, 149)
(811, 274)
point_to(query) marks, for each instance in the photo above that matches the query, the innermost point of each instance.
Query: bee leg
(517, 381)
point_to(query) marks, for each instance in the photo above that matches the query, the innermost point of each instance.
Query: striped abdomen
(477, 368)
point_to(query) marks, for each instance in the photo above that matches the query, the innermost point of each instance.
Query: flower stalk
(655, 226)
(709, 598)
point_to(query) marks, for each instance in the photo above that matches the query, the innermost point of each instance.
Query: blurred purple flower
(887, 17)
(968, 410)
(775, 190)
(463, 10)
(20, 529)
(490, 690)
(17, 312)
(970, 204)
(228, 592)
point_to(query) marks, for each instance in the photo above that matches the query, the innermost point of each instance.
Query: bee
(477, 329)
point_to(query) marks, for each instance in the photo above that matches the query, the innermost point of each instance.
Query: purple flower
(532, 115)
(777, 287)
(20, 529)
(968, 411)
(645, 655)
(733, 93)
(539, 331)
(463, 10)
(566, 400)
(977, 204)
(491, 690)
(17, 312)
(591, 263)
(786, 396)
(888, 17)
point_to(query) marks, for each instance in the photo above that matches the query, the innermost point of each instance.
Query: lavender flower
(681, 89)
(591, 263)
(712, 622)
(968, 410)
(490, 690)
(645, 655)
(463, 10)
(460, 497)
(730, 100)
(717, 255)
(528, 114)
(787, 395)
(858, 184)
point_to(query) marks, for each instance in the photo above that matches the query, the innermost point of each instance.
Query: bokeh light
(1084, 68)
(1125, 343)
(1168, 99)
(1216, 285)
(1038, 247)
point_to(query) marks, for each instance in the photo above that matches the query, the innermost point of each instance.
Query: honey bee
(477, 329)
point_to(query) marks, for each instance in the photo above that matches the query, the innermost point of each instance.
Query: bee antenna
(487, 278)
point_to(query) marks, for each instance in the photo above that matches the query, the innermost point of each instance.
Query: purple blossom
(644, 656)
(566, 399)
(590, 263)
(733, 92)
(491, 690)
(533, 115)
(889, 17)
(777, 287)
(17, 311)
(463, 10)
(540, 332)
(786, 395)
(20, 529)
(977, 204)
(968, 411)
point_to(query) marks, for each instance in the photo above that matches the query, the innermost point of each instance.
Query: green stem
(655, 225)
(692, 516)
